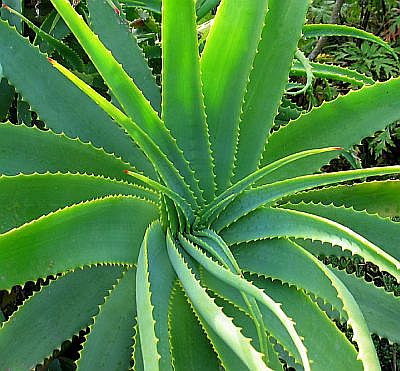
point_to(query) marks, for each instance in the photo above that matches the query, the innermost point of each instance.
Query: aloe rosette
(176, 224)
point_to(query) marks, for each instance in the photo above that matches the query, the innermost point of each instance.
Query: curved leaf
(154, 281)
(117, 317)
(268, 80)
(113, 31)
(84, 233)
(58, 95)
(189, 348)
(330, 71)
(182, 100)
(251, 199)
(268, 222)
(342, 122)
(40, 194)
(74, 299)
(382, 232)
(28, 150)
(379, 197)
(229, 52)
(241, 284)
(212, 314)
(318, 30)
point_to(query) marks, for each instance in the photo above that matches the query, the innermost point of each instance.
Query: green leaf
(212, 314)
(219, 203)
(379, 197)
(28, 150)
(251, 199)
(329, 71)
(154, 281)
(190, 349)
(183, 107)
(160, 161)
(248, 288)
(74, 299)
(342, 122)
(69, 55)
(318, 30)
(84, 235)
(268, 222)
(351, 309)
(39, 194)
(380, 308)
(12, 18)
(113, 31)
(137, 352)
(268, 80)
(58, 95)
(229, 52)
(272, 258)
(116, 318)
(382, 232)
(126, 92)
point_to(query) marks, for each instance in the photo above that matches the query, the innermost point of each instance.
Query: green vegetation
(188, 226)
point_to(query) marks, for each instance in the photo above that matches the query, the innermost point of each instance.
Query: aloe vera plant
(178, 226)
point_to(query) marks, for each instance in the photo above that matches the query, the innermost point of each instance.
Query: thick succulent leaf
(125, 91)
(69, 55)
(190, 348)
(182, 99)
(268, 80)
(229, 52)
(319, 333)
(29, 150)
(27, 197)
(382, 232)
(246, 287)
(113, 31)
(317, 30)
(281, 259)
(137, 352)
(329, 71)
(12, 18)
(342, 122)
(211, 313)
(251, 199)
(269, 222)
(351, 309)
(154, 281)
(379, 197)
(60, 96)
(380, 308)
(108, 346)
(6, 97)
(219, 203)
(321, 336)
(243, 320)
(84, 234)
(159, 159)
(74, 299)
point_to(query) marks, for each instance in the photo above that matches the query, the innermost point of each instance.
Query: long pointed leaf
(127, 93)
(182, 103)
(74, 300)
(268, 222)
(212, 314)
(229, 52)
(84, 235)
(253, 198)
(117, 316)
(268, 80)
(342, 122)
